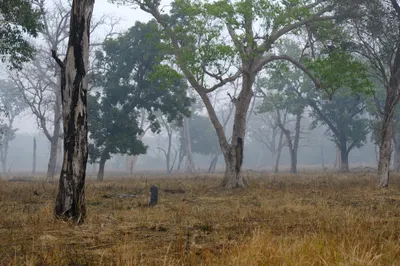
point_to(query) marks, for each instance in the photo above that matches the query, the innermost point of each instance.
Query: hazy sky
(128, 16)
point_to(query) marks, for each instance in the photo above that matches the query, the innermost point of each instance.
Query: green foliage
(134, 77)
(112, 130)
(345, 116)
(133, 74)
(19, 20)
(340, 69)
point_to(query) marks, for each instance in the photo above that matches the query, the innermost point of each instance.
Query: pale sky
(128, 16)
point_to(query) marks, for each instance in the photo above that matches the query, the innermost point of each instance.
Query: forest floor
(314, 219)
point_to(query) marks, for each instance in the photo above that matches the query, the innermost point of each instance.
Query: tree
(131, 161)
(20, 20)
(196, 32)
(39, 81)
(134, 77)
(284, 105)
(170, 156)
(110, 132)
(70, 202)
(266, 131)
(377, 39)
(13, 105)
(344, 115)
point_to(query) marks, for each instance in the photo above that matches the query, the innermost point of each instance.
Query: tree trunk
(131, 161)
(59, 155)
(396, 142)
(168, 153)
(278, 152)
(100, 174)
(51, 166)
(213, 164)
(385, 148)
(34, 158)
(344, 156)
(338, 159)
(70, 202)
(295, 148)
(191, 168)
(234, 154)
(4, 151)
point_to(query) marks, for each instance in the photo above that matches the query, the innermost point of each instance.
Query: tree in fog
(203, 139)
(376, 37)
(111, 132)
(218, 41)
(39, 81)
(71, 202)
(13, 106)
(135, 79)
(20, 19)
(345, 117)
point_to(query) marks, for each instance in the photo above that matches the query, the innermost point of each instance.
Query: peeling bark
(70, 202)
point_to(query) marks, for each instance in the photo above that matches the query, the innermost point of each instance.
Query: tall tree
(345, 117)
(12, 103)
(377, 39)
(209, 38)
(134, 76)
(70, 202)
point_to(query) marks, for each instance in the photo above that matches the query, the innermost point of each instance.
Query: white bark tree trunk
(70, 202)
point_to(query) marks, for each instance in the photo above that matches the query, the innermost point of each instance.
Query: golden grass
(318, 219)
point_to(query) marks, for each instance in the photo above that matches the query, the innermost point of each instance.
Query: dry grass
(319, 219)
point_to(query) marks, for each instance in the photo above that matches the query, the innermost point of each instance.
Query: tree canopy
(132, 76)
(20, 20)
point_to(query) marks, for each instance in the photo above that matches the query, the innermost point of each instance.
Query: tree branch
(58, 60)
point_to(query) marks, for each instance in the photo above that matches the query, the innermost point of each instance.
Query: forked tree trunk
(70, 202)
(233, 154)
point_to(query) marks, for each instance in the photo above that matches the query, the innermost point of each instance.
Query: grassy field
(315, 219)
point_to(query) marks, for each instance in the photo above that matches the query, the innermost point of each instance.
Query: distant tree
(376, 37)
(110, 133)
(13, 105)
(204, 141)
(345, 116)
(135, 79)
(20, 19)
(286, 106)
